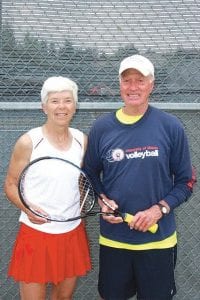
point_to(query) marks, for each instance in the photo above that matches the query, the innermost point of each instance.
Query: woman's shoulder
(36, 135)
(76, 132)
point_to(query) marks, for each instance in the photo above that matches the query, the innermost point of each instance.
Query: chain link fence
(86, 40)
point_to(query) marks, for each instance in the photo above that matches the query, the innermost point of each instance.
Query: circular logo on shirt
(115, 155)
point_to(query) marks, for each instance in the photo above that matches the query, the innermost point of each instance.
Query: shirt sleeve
(181, 169)
(92, 164)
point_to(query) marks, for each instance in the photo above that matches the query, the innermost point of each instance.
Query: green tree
(8, 39)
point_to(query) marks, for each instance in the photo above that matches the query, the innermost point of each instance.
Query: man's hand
(104, 208)
(142, 220)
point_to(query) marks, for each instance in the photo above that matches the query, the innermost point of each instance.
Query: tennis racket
(58, 190)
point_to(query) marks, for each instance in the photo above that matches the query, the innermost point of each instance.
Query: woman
(34, 262)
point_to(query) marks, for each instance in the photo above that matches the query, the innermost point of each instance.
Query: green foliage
(31, 61)
(8, 39)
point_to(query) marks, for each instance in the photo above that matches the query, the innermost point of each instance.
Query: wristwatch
(163, 209)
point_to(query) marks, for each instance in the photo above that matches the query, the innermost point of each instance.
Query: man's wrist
(164, 207)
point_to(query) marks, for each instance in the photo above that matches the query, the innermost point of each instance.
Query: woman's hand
(34, 218)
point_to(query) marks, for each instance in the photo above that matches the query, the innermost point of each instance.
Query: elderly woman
(48, 251)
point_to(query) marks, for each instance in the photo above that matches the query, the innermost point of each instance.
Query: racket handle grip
(128, 218)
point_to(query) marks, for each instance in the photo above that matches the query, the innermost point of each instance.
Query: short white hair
(58, 84)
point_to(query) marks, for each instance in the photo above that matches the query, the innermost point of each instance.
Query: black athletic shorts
(149, 274)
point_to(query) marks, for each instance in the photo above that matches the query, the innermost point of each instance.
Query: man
(138, 159)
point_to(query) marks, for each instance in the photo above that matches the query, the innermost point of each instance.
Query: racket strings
(87, 195)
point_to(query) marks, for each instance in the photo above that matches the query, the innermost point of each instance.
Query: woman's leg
(64, 290)
(32, 291)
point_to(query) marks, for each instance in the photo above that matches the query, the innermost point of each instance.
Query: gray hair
(58, 84)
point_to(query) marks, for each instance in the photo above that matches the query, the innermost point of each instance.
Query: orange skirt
(42, 257)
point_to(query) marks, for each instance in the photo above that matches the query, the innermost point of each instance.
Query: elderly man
(138, 159)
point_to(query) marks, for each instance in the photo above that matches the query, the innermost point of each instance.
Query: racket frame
(21, 189)
(125, 216)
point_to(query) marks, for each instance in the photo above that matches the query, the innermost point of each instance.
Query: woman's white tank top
(42, 147)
